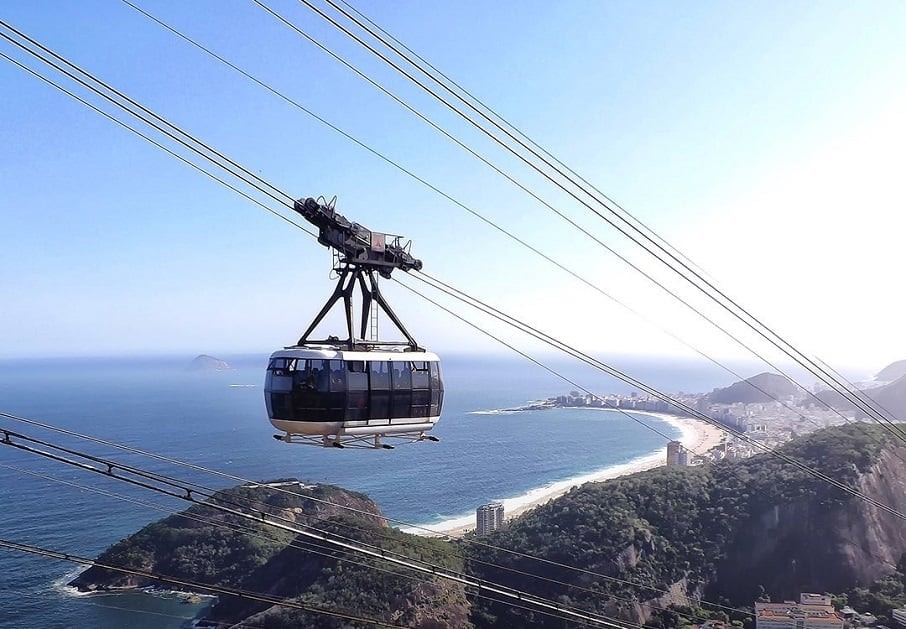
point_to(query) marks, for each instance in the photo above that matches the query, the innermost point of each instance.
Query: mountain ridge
(762, 388)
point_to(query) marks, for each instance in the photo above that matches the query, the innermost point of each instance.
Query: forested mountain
(728, 532)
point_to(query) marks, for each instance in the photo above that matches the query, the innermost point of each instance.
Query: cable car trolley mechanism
(354, 392)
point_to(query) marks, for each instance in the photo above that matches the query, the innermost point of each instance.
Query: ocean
(156, 404)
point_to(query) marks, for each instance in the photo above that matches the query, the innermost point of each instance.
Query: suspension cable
(188, 492)
(19, 64)
(188, 583)
(453, 200)
(860, 400)
(361, 512)
(688, 409)
(808, 392)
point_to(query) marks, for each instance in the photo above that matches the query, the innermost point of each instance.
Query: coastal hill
(731, 531)
(893, 371)
(203, 362)
(209, 546)
(773, 386)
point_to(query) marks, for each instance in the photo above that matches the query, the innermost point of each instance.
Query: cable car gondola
(354, 392)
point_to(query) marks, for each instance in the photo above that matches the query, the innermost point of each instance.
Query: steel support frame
(350, 275)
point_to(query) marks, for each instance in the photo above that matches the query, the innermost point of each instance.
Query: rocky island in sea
(203, 362)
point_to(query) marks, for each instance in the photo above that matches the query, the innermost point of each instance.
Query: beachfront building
(813, 611)
(677, 456)
(899, 616)
(489, 517)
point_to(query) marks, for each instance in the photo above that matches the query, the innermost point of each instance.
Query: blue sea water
(157, 405)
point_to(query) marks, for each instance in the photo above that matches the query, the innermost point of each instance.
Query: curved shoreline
(696, 435)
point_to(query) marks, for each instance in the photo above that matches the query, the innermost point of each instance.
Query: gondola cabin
(354, 392)
(336, 396)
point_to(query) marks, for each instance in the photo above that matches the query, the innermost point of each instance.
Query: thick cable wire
(308, 546)
(697, 414)
(186, 493)
(316, 548)
(889, 426)
(860, 400)
(809, 392)
(246, 594)
(7, 57)
(447, 196)
(232, 477)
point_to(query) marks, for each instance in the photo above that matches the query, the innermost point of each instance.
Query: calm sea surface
(159, 406)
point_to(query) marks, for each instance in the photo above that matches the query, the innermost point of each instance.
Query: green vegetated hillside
(206, 545)
(765, 387)
(729, 532)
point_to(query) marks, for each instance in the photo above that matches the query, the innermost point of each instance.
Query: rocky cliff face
(817, 543)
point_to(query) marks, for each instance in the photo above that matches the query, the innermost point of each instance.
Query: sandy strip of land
(697, 436)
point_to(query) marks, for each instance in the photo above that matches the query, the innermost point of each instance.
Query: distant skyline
(765, 141)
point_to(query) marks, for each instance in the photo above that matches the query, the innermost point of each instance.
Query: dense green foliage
(683, 530)
(675, 525)
(883, 595)
(358, 586)
(206, 545)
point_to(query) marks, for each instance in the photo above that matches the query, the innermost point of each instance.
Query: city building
(676, 454)
(489, 517)
(899, 616)
(813, 611)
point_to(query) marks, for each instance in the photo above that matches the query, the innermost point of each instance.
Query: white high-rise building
(676, 454)
(489, 517)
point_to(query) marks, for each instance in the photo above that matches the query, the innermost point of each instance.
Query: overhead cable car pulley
(354, 392)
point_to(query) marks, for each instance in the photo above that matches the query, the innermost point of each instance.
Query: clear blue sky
(761, 137)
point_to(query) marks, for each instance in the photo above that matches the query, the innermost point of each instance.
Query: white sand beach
(697, 436)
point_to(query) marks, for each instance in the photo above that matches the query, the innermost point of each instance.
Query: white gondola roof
(331, 352)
